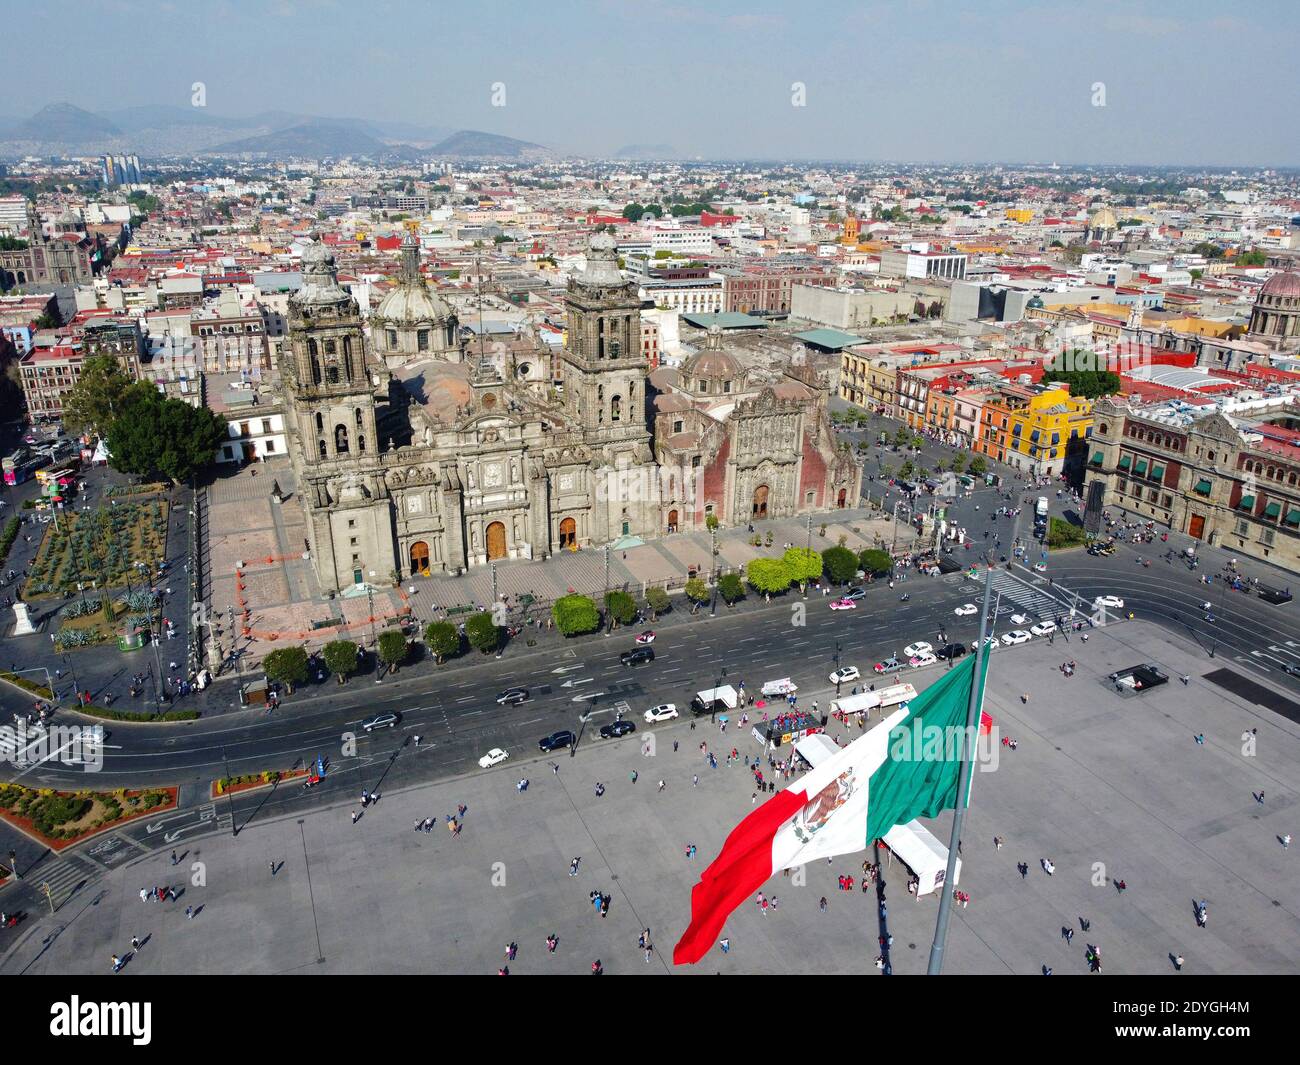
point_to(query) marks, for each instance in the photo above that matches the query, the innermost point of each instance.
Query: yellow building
(1023, 215)
(1034, 427)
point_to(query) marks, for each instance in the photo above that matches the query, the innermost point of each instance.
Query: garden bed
(59, 819)
(253, 781)
(42, 692)
(102, 547)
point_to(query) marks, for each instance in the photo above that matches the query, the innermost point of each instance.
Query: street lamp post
(713, 569)
(374, 640)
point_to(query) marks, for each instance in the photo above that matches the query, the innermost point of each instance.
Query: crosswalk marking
(1034, 601)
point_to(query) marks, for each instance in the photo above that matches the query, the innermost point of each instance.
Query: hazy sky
(1187, 81)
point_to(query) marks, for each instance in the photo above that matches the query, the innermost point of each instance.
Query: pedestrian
(1286, 841)
(144, 894)
(725, 944)
(695, 781)
(273, 868)
(1259, 798)
(1200, 739)
(355, 815)
(634, 776)
(1178, 962)
(822, 905)
(674, 746)
(997, 842)
(174, 858)
(189, 913)
(573, 866)
(117, 963)
(135, 942)
(1023, 867)
(551, 942)
(662, 785)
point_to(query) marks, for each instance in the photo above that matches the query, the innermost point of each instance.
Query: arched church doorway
(420, 558)
(839, 502)
(496, 541)
(569, 534)
(759, 509)
(672, 521)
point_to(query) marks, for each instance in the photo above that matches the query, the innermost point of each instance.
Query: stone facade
(438, 465)
(1231, 482)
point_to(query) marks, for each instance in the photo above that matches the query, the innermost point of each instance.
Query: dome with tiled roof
(1285, 284)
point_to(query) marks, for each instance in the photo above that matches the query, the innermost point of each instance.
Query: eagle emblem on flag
(818, 810)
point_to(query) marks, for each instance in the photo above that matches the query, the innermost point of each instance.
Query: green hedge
(104, 712)
(8, 537)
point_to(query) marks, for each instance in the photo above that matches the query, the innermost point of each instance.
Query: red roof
(388, 243)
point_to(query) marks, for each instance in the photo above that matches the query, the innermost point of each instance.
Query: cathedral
(413, 456)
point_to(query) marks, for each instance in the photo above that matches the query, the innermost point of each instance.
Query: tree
(442, 640)
(903, 435)
(841, 563)
(99, 395)
(1251, 258)
(1086, 384)
(1197, 274)
(620, 606)
(483, 633)
(575, 614)
(770, 576)
(393, 648)
(341, 657)
(804, 563)
(959, 461)
(633, 212)
(657, 600)
(710, 521)
(156, 436)
(906, 469)
(697, 591)
(875, 562)
(731, 587)
(286, 665)
(978, 464)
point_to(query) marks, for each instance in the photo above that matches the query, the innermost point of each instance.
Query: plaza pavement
(1095, 779)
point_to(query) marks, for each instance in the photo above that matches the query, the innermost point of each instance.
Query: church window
(322, 449)
(358, 414)
(311, 346)
(330, 349)
(331, 374)
(352, 523)
(341, 439)
(695, 462)
(361, 443)
(704, 387)
(320, 421)
(422, 340)
(392, 340)
(726, 386)
(615, 408)
(347, 363)
(678, 425)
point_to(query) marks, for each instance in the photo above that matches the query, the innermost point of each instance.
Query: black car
(637, 657)
(513, 696)
(616, 728)
(556, 741)
(952, 650)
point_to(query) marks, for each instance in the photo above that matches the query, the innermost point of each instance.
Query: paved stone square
(1104, 787)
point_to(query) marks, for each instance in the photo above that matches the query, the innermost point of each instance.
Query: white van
(711, 699)
(784, 686)
(894, 696)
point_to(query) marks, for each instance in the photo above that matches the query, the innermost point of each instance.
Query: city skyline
(1011, 81)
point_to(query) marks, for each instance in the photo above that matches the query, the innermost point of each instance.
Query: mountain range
(162, 130)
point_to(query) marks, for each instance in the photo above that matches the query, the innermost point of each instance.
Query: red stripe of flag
(741, 868)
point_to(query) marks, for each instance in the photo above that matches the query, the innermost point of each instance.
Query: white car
(966, 609)
(844, 675)
(494, 757)
(1112, 602)
(1019, 619)
(1015, 636)
(926, 659)
(662, 712)
(918, 648)
(1043, 628)
(991, 642)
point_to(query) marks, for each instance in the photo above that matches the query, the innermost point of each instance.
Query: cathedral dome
(1285, 285)
(412, 302)
(1035, 303)
(710, 363)
(1103, 218)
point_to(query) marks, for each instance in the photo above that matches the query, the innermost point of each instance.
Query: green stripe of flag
(920, 776)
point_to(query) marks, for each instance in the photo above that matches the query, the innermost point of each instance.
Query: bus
(20, 472)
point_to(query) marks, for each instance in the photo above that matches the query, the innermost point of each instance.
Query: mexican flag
(905, 767)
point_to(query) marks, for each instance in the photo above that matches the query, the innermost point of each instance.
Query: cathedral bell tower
(604, 369)
(331, 418)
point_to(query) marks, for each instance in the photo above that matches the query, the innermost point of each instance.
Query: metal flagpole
(964, 780)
